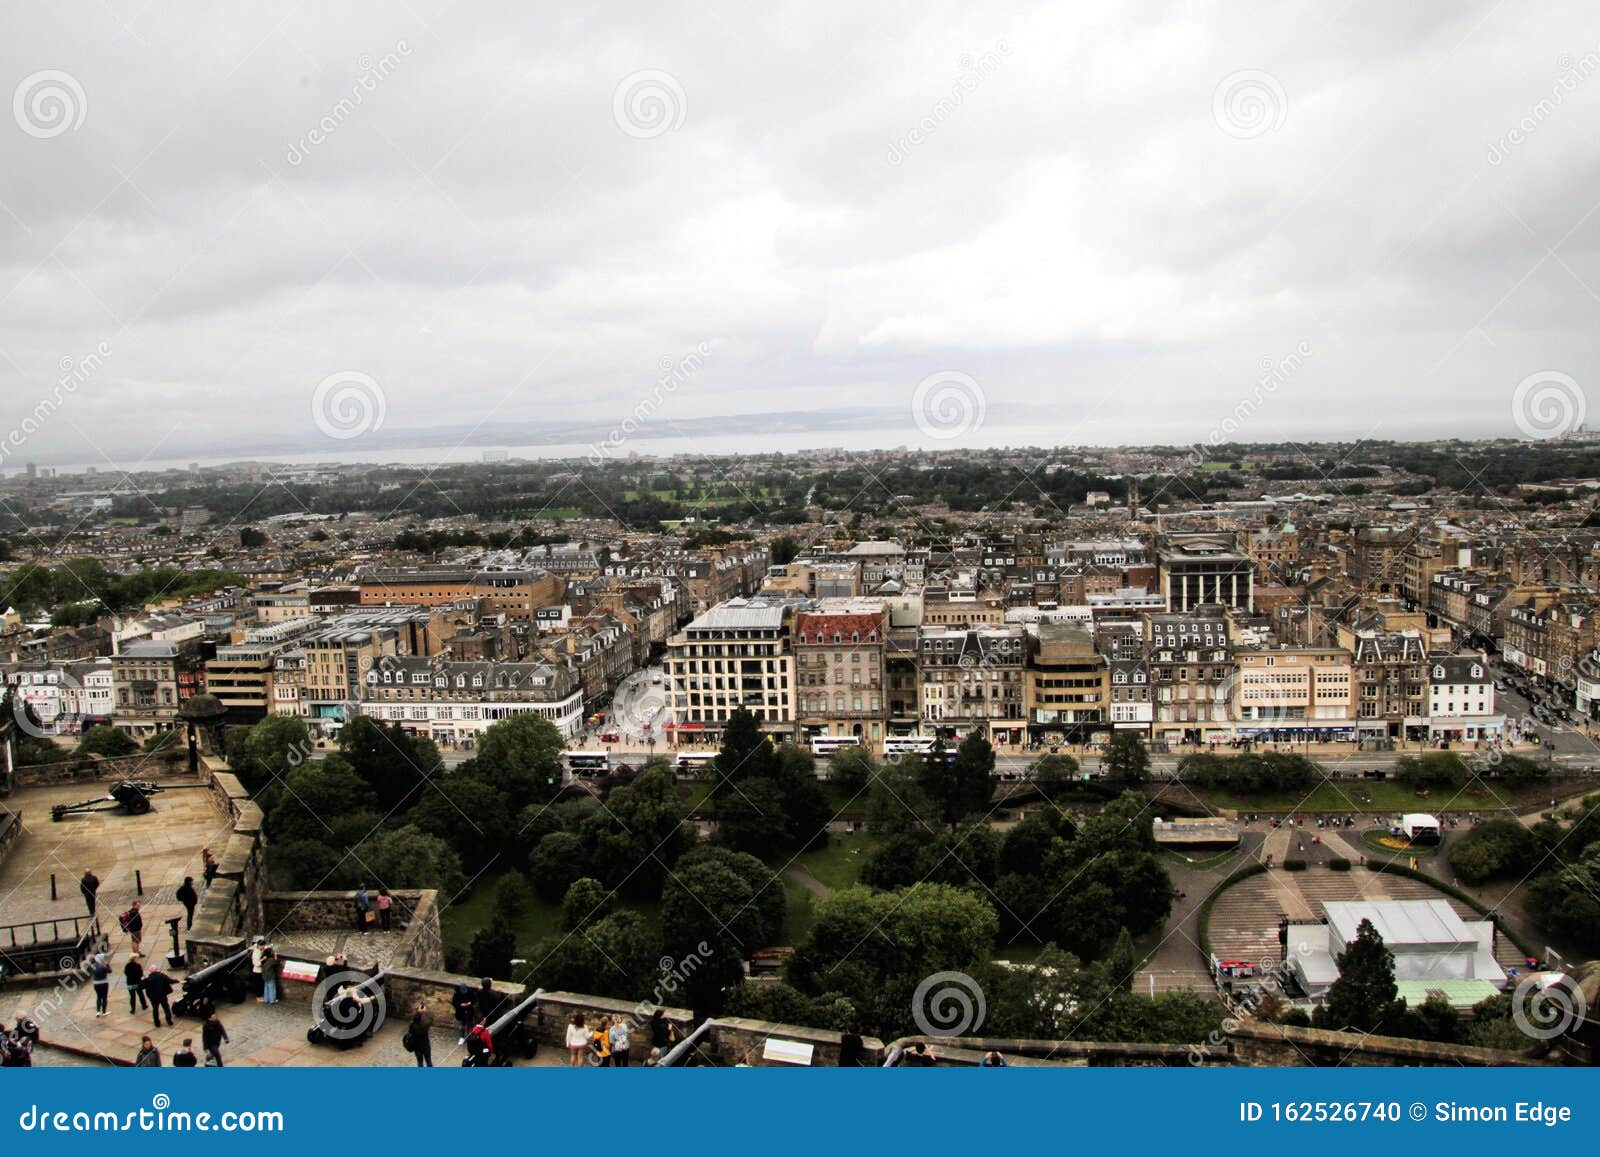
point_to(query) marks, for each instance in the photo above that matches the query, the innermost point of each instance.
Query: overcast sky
(1101, 221)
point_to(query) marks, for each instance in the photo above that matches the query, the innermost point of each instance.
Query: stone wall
(165, 764)
(415, 914)
(554, 1012)
(1068, 1054)
(10, 830)
(1257, 1043)
(727, 1038)
(231, 910)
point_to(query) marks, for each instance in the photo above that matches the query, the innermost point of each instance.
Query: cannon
(129, 795)
(512, 1035)
(224, 980)
(350, 1011)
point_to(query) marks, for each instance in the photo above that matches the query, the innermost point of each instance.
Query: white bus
(823, 746)
(694, 764)
(587, 762)
(908, 744)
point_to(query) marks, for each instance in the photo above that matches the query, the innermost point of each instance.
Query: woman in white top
(577, 1042)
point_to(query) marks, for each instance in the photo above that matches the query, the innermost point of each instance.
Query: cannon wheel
(235, 989)
(138, 805)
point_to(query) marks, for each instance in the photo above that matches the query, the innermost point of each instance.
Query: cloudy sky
(1092, 223)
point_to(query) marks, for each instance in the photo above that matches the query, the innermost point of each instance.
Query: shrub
(1339, 864)
(1294, 865)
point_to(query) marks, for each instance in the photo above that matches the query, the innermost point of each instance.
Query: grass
(1369, 795)
(802, 911)
(839, 864)
(462, 920)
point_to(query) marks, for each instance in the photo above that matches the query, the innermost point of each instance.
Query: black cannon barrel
(373, 982)
(515, 1015)
(211, 972)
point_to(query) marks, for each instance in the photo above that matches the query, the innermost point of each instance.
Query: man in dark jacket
(488, 1001)
(212, 1034)
(133, 973)
(188, 897)
(462, 1003)
(89, 885)
(158, 986)
(419, 1032)
(184, 1058)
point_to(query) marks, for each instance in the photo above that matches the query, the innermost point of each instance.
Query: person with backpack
(212, 1036)
(100, 978)
(158, 986)
(418, 1041)
(132, 922)
(184, 1058)
(189, 898)
(462, 1003)
(133, 973)
(89, 885)
(147, 1057)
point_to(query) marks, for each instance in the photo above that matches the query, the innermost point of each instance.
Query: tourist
(385, 902)
(653, 1060)
(271, 970)
(621, 1041)
(100, 977)
(189, 898)
(208, 866)
(148, 1057)
(851, 1049)
(184, 1058)
(600, 1043)
(89, 885)
(133, 925)
(992, 1060)
(577, 1041)
(158, 986)
(488, 1001)
(462, 1003)
(363, 909)
(919, 1055)
(133, 973)
(663, 1033)
(212, 1036)
(418, 1033)
(480, 1047)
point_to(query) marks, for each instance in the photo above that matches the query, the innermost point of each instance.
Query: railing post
(138, 882)
(52, 885)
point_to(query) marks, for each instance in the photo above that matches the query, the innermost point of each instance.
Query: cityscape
(806, 537)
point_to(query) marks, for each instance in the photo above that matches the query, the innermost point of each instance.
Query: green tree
(586, 902)
(521, 758)
(492, 949)
(470, 816)
(105, 740)
(395, 765)
(557, 862)
(270, 749)
(616, 957)
(404, 857)
(1493, 849)
(324, 801)
(961, 786)
(852, 769)
(745, 754)
(1053, 772)
(1126, 759)
(512, 896)
(1122, 965)
(250, 538)
(1364, 995)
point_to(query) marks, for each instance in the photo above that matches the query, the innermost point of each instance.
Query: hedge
(1294, 865)
(1338, 864)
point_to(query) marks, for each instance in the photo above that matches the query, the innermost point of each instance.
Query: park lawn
(463, 919)
(802, 912)
(839, 864)
(1368, 795)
